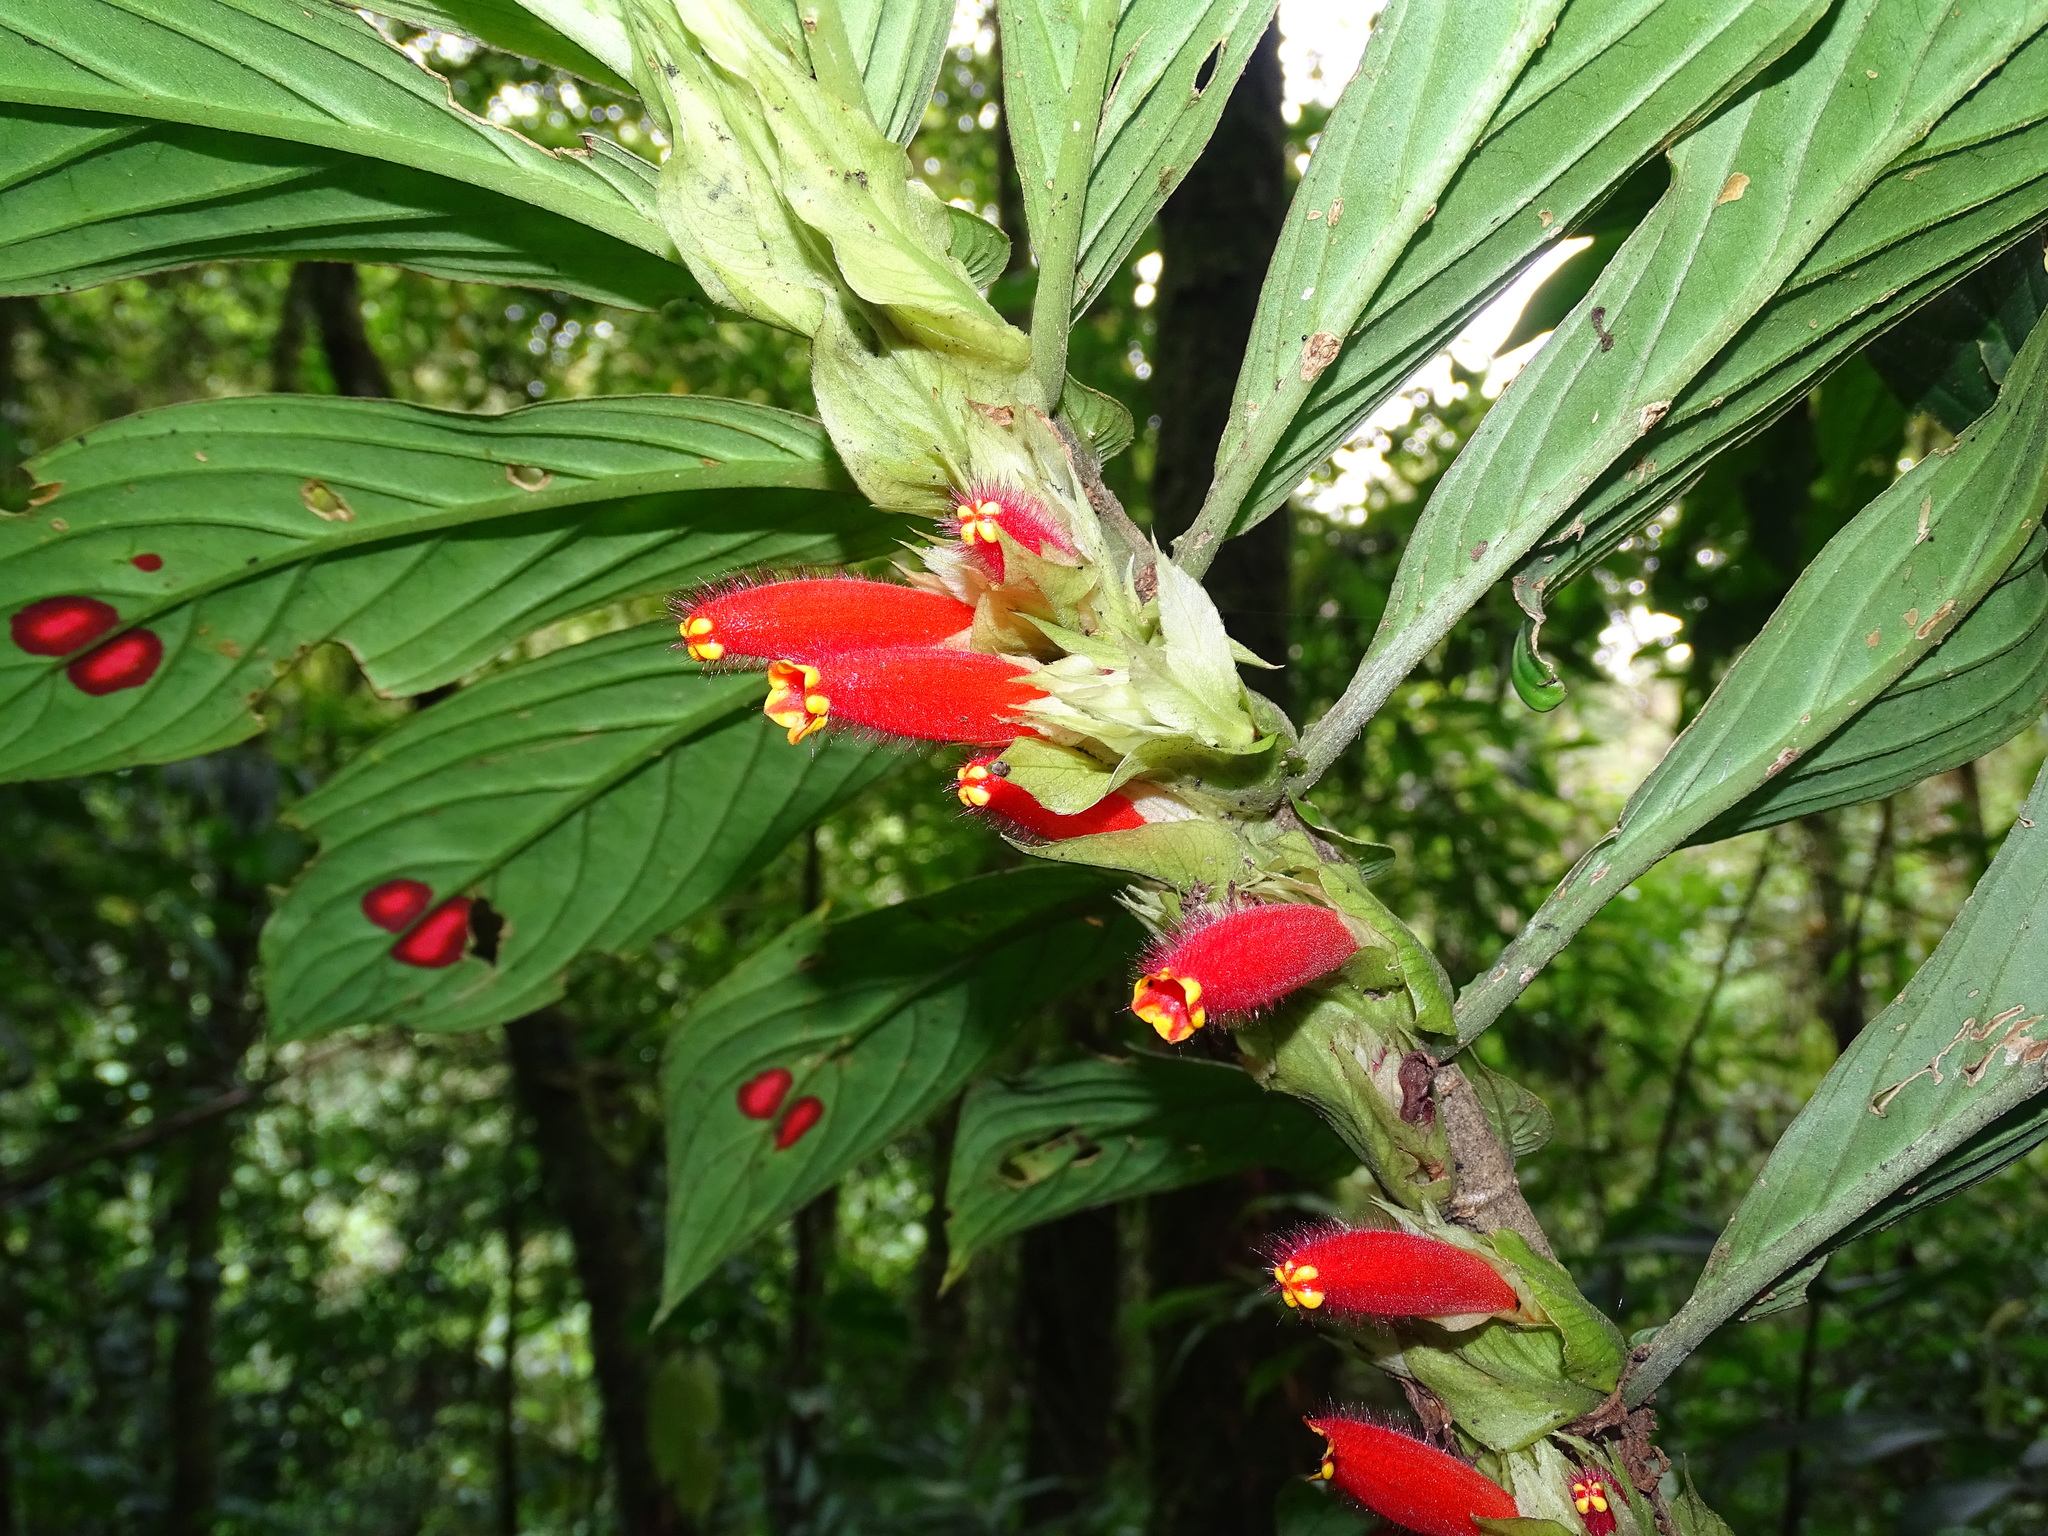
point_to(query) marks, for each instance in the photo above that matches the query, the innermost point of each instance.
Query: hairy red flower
(813, 617)
(1590, 1499)
(921, 694)
(57, 626)
(1399, 1478)
(761, 1095)
(987, 510)
(981, 786)
(1236, 962)
(440, 938)
(1354, 1271)
(393, 905)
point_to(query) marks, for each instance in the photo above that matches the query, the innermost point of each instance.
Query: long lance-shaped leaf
(307, 75)
(1089, 1133)
(1433, 76)
(1889, 588)
(1752, 194)
(898, 46)
(226, 537)
(814, 1053)
(1165, 74)
(1950, 358)
(1974, 185)
(90, 197)
(1617, 81)
(594, 798)
(512, 28)
(1933, 1094)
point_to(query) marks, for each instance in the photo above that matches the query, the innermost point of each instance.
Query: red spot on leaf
(440, 938)
(57, 626)
(797, 1122)
(126, 661)
(761, 1096)
(393, 905)
(148, 562)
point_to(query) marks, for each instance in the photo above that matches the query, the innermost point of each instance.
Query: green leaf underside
(91, 197)
(509, 27)
(1089, 1133)
(1614, 84)
(1929, 1096)
(1433, 76)
(445, 559)
(310, 75)
(596, 797)
(899, 46)
(1887, 590)
(1752, 193)
(1950, 358)
(1153, 124)
(882, 1018)
(1939, 212)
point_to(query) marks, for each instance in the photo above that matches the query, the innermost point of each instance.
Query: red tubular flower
(1590, 1499)
(981, 787)
(814, 617)
(1400, 1479)
(1354, 1271)
(987, 510)
(1236, 962)
(922, 694)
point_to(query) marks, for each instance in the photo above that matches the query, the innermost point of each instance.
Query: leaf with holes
(1615, 84)
(201, 548)
(1752, 194)
(592, 799)
(1885, 596)
(1935, 1093)
(835, 1038)
(1088, 1133)
(137, 141)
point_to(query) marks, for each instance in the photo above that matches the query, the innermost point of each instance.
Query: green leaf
(1886, 591)
(1180, 853)
(881, 1019)
(1752, 194)
(91, 197)
(312, 76)
(513, 28)
(1909, 1103)
(1087, 1133)
(1307, 1508)
(595, 798)
(1433, 75)
(425, 541)
(1966, 192)
(1950, 357)
(684, 1411)
(1593, 1347)
(1588, 111)
(1058, 778)
(898, 46)
(978, 246)
(1505, 1385)
(1516, 1525)
(1103, 420)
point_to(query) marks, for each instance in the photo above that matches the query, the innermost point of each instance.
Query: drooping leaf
(1951, 356)
(1972, 188)
(1890, 588)
(1743, 213)
(978, 246)
(240, 532)
(1433, 76)
(1087, 1133)
(876, 1021)
(264, 78)
(1171, 65)
(594, 798)
(1909, 1105)
(91, 197)
(1615, 84)
(512, 28)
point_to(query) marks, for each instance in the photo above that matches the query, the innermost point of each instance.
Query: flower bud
(1401, 1479)
(1591, 1500)
(982, 786)
(986, 512)
(1235, 962)
(922, 694)
(814, 617)
(1355, 1271)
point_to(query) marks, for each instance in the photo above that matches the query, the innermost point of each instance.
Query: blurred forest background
(381, 1283)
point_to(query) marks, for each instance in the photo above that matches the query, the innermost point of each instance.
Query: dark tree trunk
(330, 295)
(194, 1423)
(792, 1443)
(591, 1197)
(13, 1376)
(508, 1376)
(15, 316)
(1216, 237)
(1067, 1347)
(939, 1319)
